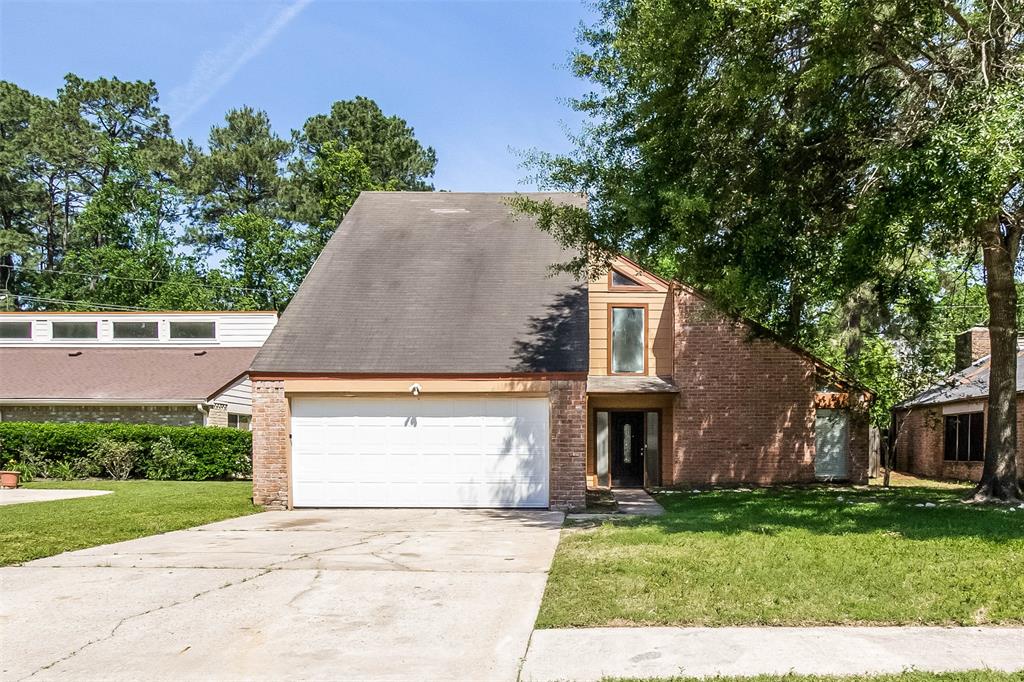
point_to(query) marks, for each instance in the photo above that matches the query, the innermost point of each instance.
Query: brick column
(568, 445)
(270, 444)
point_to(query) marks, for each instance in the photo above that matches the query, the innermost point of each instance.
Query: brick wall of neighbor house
(168, 415)
(217, 415)
(745, 412)
(270, 444)
(568, 484)
(920, 448)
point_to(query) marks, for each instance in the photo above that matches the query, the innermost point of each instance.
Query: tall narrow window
(627, 443)
(628, 340)
(602, 447)
(965, 437)
(652, 443)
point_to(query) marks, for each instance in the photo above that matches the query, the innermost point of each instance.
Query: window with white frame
(137, 329)
(15, 329)
(73, 330)
(193, 330)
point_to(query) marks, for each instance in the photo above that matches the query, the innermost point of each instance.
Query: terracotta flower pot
(9, 479)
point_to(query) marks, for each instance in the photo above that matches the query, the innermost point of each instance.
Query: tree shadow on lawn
(828, 510)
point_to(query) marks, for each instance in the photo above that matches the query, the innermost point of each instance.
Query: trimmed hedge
(219, 453)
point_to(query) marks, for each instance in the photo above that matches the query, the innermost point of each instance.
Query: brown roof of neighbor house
(119, 374)
(435, 283)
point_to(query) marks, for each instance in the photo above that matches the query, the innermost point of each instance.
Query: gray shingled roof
(434, 283)
(967, 384)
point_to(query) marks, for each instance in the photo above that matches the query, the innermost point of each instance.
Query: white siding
(238, 397)
(233, 329)
(245, 330)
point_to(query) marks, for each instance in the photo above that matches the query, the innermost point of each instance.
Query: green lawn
(794, 557)
(136, 508)
(911, 676)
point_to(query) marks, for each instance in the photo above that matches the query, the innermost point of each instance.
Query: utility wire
(137, 279)
(85, 304)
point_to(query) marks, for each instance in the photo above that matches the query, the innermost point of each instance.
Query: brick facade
(270, 444)
(746, 411)
(745, 414)
(568, 483)
(920, 446)
(168, 415)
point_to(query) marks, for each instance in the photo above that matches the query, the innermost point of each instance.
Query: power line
(85, 304)
(140, 279)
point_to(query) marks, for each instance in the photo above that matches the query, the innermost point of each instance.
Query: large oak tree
(789, 155)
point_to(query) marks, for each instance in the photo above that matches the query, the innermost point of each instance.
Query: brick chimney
(971, 345)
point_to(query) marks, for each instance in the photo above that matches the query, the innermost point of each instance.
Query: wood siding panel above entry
(659, 319)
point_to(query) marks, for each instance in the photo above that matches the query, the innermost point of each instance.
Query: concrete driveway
(325, 594)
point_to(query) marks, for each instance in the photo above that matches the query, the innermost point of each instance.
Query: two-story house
(176, 368)
(435, 357)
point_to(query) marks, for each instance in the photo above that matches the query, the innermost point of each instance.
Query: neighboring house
(434, 358)
(177, 368)
(940, 433)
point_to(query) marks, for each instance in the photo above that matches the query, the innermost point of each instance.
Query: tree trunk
(887, 460)
(999, 477)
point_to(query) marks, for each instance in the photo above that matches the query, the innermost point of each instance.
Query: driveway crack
(117, 626)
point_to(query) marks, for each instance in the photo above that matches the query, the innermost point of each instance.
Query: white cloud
(215, 68)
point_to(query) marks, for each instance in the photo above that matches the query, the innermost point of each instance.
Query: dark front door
(627, 449)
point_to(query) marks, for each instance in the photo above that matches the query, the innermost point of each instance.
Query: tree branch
(953, 13)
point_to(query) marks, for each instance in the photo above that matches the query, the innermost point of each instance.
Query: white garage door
(420, 452)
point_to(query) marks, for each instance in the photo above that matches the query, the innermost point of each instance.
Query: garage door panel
(425, 452)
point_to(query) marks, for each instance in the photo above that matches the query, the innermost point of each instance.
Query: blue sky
(477, 80)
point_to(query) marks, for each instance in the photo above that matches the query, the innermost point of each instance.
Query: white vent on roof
(448, 210)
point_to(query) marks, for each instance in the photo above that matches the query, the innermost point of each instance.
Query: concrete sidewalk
(594, 653)
(636, 502)
(23, 495)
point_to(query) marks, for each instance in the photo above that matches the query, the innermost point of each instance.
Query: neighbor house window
(136, 330)
(15, 330)
(74, 330)
(628, 337)
(965, 437)
(193, 330)
(238, 421)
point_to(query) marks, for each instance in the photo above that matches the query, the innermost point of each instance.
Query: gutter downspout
(204, 409)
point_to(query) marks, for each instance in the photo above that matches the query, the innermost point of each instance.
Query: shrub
(117, 458)
(65, 470)
(29, 464)
(168, 463)
(219, 453)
